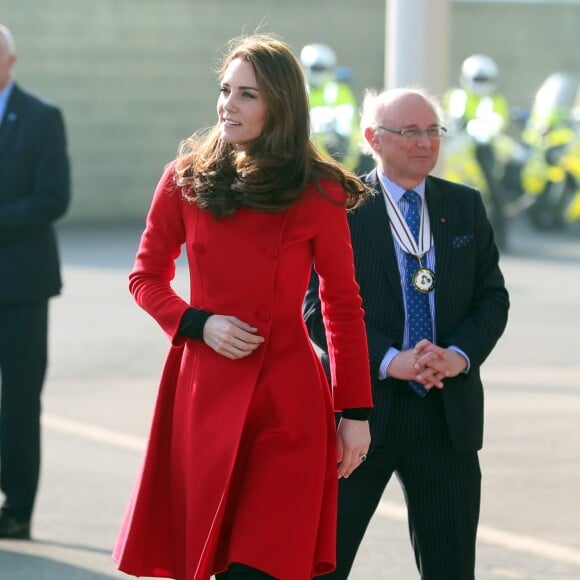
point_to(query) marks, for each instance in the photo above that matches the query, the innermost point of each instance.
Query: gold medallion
(424, 280)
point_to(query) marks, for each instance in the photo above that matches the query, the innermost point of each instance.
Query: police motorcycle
(551, 175)
(477, 154)
(334, 115)
(477, 150)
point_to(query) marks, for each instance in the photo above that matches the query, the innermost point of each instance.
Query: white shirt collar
(4, 96)
(396, 191)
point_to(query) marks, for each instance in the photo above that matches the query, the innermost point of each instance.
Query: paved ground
(106, 357)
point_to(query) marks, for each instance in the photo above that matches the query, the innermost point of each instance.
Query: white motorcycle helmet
(556, 101)
(558, 90)
(318, 62)
(479, 75)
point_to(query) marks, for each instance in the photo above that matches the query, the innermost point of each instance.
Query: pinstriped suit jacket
(471, 301)
(34, 193)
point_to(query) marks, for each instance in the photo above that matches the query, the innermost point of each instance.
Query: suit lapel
(379, 232)
(11, 117)
(439, 219)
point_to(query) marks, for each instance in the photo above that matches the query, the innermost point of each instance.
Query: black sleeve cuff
(192, 323)
(360, 414)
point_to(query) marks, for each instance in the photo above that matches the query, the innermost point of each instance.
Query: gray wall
(134, 77)
(528, 41)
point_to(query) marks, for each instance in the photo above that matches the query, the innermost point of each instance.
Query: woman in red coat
(240, 474)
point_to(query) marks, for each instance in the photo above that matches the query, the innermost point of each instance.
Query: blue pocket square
(462, 241)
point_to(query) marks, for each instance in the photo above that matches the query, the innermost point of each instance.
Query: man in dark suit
(435, 305)
(34, 192)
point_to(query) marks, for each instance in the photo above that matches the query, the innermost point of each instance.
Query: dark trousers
(23, 358)
(243, 572)
(441, 489)
(486, 158)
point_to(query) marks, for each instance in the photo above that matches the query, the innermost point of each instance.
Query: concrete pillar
(417, 44)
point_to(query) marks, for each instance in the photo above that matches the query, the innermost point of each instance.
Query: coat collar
(378, 229)
(438, 208)
(14, 108)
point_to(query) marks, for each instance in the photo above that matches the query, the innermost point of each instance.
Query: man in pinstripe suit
(429, 440)
(34, 194)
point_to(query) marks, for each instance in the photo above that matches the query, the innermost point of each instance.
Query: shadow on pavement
(78, 547)
(33, 567)
(99, 246)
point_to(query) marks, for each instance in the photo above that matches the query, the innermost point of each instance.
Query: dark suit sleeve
(41, 149)
(313, 314)
(485, 320)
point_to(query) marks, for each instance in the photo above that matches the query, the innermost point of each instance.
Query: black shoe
(12, 528)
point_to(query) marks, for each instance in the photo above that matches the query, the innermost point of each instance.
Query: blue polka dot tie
(418, 312)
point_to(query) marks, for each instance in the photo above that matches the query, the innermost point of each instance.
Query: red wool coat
(241, 459)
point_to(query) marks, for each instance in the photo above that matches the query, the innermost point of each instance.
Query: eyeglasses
(434, 133)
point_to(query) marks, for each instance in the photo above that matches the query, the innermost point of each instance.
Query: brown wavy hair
(273, 171)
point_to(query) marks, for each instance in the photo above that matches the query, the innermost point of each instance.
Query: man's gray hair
(7, 35)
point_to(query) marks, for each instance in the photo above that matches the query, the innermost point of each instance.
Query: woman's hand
(353, 439)
(230, 337)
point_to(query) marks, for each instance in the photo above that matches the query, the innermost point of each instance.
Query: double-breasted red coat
(241, 459)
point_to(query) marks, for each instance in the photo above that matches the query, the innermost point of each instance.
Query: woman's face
(242, 110)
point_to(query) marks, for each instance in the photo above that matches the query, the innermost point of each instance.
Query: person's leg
(242, 572)
(442, 490)
(23, 357)
(497, 196)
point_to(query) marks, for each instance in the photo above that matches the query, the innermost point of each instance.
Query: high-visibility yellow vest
(465, 105)
(334, 111)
